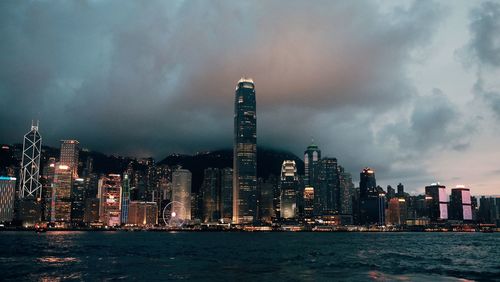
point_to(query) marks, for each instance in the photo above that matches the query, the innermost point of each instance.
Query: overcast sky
(411, 89)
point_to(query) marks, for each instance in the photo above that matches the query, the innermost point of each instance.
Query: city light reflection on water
(55, 256)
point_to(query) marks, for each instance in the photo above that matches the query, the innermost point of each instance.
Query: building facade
(181, 194)
(436, 202)
(7, 197)
(70, 151)
(142, 213)
(460, 203)
(289, 186)
(110, 188)
(61, 194)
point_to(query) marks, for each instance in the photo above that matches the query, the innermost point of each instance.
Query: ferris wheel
(174, 214)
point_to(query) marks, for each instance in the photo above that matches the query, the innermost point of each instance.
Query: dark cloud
(484, 50)
(435, 123)
(154, 77)
(485, 33)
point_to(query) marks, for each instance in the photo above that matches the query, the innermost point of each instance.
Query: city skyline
(419, 106)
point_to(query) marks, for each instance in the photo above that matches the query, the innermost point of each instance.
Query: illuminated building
(91, 214)
(327, 187)
(245, 153)
(142, 213)
(436, 202)
(346, 192)
(289, 188)
(7, 197)
(47, 181)
(312, 155)
(371, 199)
(181, 193)
(460, 203)
(125, 199)
(226, 194)
(309, 203)
(30, 186)
(61, 194)
(396, 211)
(266, 201)
(78, 202)
(70, 151)
(210, 190)
(110, 188)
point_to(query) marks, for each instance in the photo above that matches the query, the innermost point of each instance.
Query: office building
(211, 192)
(181, 194)
(61, 195)
(436, 202)
(125, 199)
(226, 194)
(460, 203)
(371, 199)
(7, 197)
(78, 202)
(327, 187)
(142, 213)
(69, 155)
(110, 188)
(309, 204)
(312, 155)
(396, 211)
(245, 153)
(289, 186)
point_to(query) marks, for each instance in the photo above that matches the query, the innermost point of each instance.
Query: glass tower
(245, 153)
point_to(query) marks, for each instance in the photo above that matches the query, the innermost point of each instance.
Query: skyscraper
(309, 203)
(245, 153)
(460, 204)
(70, 152)
(346, 191)
(436, 202)
(78, 202)
(289, 189)
(211, 194)
(181, 194)
(327, 187)
(30, 186)
(61, 194)
(125, 199)
(401, 190)
(312, 155)
(226, 194)
(7, 196)
(110, 188)
(371, 199)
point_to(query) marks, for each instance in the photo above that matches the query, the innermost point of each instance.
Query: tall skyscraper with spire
(245, 153)
(30, 185)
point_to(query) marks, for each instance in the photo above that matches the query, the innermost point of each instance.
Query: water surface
(249, 256)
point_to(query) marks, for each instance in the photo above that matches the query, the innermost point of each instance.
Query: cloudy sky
(411, 89)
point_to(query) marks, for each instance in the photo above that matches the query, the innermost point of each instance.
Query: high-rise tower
(32, 147)
(70, 151)
(245, 153)
(312, 155)
(289, 189)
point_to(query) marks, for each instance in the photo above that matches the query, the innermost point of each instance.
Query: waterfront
(248, 256)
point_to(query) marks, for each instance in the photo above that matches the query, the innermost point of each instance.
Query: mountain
(268, 162)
